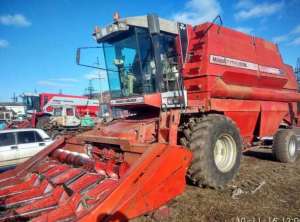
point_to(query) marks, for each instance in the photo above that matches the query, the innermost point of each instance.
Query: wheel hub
(225, 152)
(292, 147)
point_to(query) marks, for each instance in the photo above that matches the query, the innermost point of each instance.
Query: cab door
(8, 150)
(28, 145)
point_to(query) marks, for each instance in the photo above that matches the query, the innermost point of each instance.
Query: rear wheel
(285, 146)
(216, 145)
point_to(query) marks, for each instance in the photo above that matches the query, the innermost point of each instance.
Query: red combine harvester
(198, 97)
(39, 107)
(43, 104)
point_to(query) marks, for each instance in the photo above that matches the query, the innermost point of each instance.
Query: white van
(18, 145)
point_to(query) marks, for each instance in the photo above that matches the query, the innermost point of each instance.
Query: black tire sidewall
(281, 143)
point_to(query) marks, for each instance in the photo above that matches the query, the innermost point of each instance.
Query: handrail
(213, 22)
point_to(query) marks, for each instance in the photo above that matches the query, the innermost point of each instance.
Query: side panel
(8, 156)
(8, 150)
(244, 113)
(252, 117)
(272, 113)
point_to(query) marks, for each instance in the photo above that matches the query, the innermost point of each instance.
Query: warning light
(97, 29)
(116, 16)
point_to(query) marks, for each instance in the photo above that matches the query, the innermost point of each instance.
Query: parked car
(18, 145)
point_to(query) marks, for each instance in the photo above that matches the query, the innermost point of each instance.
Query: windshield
(32, 103)
(57, 111)
(130, 64)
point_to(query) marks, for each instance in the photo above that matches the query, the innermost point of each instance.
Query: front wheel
(285, 146)
(216, 145)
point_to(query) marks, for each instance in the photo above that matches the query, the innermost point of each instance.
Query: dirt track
(265, 191)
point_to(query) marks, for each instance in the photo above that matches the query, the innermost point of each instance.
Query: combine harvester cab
(74, 180)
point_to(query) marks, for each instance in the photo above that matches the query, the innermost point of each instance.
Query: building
(18, 109)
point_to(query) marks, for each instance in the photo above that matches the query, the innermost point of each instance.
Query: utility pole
(90, 89)
(101, 77)
(14, 98)
(100, 85)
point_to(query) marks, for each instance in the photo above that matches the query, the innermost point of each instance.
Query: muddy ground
(264, 190)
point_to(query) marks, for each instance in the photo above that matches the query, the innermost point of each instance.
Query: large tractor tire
(216, 145)
(43, 122)
(285, 146)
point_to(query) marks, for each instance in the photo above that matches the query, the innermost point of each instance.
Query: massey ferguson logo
(220, 60)
(231, 62)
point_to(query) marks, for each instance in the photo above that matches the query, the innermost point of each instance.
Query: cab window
(46, 100)
(70, 112)
(7, 115)
(7, 139)
(57, 112)
(38, 138)
(26, 137)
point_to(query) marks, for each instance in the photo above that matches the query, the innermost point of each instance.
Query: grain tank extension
(197, 97)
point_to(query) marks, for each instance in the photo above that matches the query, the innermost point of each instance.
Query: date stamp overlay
(265, 219)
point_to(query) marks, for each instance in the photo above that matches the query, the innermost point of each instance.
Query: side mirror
(78, 56)
(92, 57)
(47, 139)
